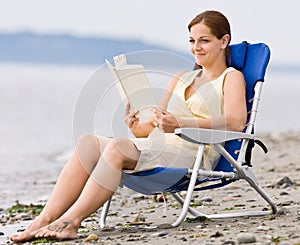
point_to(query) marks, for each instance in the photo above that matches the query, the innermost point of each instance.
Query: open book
(133, 85)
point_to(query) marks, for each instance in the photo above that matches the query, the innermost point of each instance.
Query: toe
(48, 234)
(38, 235)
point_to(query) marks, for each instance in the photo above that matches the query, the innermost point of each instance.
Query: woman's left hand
(165, 121)
(130, 118)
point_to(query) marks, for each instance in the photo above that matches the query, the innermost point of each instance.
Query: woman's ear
(225, 41)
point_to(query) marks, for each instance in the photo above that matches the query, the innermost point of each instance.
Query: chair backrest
(252, 60)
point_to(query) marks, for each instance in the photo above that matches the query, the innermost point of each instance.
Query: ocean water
(38, 104)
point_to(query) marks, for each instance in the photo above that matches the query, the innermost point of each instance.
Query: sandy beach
(277, 172)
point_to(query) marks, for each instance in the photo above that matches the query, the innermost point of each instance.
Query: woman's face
(204, 46)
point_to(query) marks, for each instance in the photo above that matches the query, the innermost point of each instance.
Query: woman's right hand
(130, 118)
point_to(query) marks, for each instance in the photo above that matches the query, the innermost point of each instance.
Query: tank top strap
(229, 69)
(188, 77)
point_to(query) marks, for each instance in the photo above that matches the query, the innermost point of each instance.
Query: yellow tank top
(206, 102)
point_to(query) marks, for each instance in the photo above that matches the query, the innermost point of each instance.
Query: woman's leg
(72, 178)
(119, 154)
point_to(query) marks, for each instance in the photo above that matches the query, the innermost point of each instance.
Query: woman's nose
(197, 46)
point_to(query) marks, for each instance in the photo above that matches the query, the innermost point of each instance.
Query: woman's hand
(130, 118)
(165, 121)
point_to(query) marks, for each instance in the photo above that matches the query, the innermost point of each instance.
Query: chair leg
(195, 213)
(254, 184)
(250, 178)
(186, 203)
(104, 212)
(247, 174)
(191, 210)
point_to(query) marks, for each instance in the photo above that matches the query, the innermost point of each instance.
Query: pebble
(270, 186)
(138, 218)
(3, 219)
(262, 228)
(23, 216)
(217, 234)
(165, 226)
(284, 182)
(206, 199)
(286, 203)
(201, 226)
(160, 234)
(91, 237)
(244, 237)
(107, 229)
(283, 193)
(285, 186)
(282, 211)
(183, 239)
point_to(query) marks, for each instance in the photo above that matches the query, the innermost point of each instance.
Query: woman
(210, 97)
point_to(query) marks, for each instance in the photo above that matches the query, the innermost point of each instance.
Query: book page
(135, 85)
(116, 79)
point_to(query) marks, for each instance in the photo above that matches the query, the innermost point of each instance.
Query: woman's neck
(214, 72)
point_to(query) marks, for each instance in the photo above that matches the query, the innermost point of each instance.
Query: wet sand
(277, 172)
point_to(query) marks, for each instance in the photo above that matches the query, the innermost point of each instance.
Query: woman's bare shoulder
(180, 73)
(175, 79)
(235, 72)
(235, 75)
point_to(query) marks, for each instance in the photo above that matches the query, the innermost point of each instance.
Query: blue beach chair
(235, 148)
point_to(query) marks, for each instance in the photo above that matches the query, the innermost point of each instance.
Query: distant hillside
(66, 49)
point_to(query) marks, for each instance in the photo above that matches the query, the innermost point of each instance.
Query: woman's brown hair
(218, 25)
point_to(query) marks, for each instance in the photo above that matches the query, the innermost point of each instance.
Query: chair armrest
(210, 136)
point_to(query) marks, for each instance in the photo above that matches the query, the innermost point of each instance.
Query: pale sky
(159, 21)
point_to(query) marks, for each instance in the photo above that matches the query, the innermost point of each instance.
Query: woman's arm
(235, 109)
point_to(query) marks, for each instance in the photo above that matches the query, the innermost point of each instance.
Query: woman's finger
(127, 109)
(133, 114)
(157, 114)
(131, 121)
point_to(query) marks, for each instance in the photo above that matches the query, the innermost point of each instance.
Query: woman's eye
(191, 41)
(204, 40)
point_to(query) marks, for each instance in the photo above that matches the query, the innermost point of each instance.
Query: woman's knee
(88, 147)
(87, 139)
(122, 149)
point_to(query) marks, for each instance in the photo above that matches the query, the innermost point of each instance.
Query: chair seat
(165, 179)
(153, 181)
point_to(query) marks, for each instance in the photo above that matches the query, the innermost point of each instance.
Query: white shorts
(155, 154)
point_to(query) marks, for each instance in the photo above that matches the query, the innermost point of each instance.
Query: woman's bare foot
(60, 230)
(27, 234)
